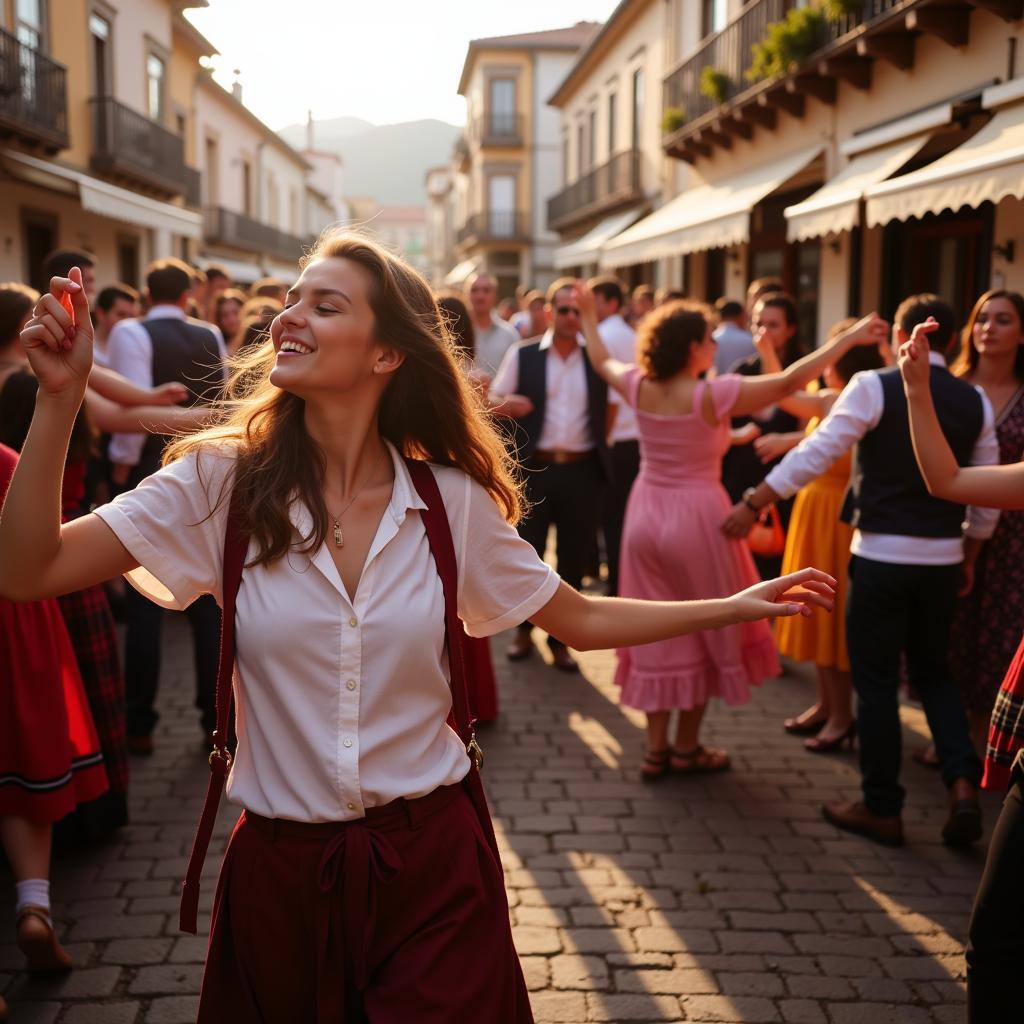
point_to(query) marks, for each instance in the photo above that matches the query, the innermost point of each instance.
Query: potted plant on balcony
(672, 120)
(787, 42)
(714, 84)
(836, 9)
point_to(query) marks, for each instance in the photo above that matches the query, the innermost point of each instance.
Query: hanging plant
(714, 84)
(672, 120)
(787, 42)
(837, 9)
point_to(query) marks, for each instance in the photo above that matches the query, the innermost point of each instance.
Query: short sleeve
(724, 392)
(631, 378)
(173, 525)
(502, 580)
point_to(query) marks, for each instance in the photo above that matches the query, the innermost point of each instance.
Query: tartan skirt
(1006, 731)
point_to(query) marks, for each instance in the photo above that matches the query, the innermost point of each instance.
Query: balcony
(33, 96)
(714, 95)
(131, 147)
(494, 226)
(496, 128)
(613, 184)
(225, 227)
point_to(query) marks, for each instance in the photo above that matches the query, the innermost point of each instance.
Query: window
(638, 107)
(502, 107)
(592, 138)
(155, 87)
(565, 158)
(581, 150)
(128, 259)
(29, 23)
(714, 16)
(247, 188)
(211, 171)
(99, 33)
(501, 195)
(613, 102)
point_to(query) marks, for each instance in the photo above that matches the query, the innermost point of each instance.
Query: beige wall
(237, 140)
(289, 180)
(69, 34)
(141, 26)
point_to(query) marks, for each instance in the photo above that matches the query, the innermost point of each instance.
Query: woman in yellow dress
(817, 536)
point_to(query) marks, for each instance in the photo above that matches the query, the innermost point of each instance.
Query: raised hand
(869, 330)
(913, 356)
(769, 447)
(798, 593)
(58, 338)
(584, 299)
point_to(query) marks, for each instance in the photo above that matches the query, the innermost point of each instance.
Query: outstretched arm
(769, 389)
(113, 386)
(110, 417)
(595, 623)
(612, 371)
(989, 486)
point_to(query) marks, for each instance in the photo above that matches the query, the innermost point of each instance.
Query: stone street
(721, 899)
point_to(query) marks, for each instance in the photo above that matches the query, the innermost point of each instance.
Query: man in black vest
(562, 442)
(910, 559)
(165, 346)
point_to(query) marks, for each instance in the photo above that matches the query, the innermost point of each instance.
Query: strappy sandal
(39, 942)
(699, 761)
(655, 765)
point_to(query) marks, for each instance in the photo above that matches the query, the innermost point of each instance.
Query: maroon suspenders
(236, 544)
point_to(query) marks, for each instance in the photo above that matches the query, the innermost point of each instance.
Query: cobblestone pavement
(721, 899)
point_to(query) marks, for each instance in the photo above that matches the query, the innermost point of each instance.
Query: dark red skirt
(50, 757)
(1006, 731)
(400, 916)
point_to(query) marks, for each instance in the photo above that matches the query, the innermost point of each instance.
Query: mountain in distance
(387, 162)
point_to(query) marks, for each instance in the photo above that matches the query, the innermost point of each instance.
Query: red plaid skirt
(1006, 731)
(90, 625)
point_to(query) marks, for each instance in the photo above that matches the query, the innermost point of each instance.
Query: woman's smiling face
(325, 337)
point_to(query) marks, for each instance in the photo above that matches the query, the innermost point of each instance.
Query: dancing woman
(672, 544)
(995, 947)
(361, 880)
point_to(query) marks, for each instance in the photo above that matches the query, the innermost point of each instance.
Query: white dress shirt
(341, 701)
(857, 411)
(130, 353)
(620, 340)
(733, 343)
(492, 343)
(566, 410)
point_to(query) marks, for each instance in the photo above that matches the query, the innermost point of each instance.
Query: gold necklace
(339, 537)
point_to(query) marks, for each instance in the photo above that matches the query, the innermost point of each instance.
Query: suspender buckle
(221, 754)
(476, 752)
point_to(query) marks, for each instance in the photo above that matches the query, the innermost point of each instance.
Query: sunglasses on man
(567, 311)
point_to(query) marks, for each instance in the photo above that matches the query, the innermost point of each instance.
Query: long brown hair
(967, 358)
(429, 410)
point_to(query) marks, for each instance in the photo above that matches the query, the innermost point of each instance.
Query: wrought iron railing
(728, 53)
(129, 144)
(244, 232)
(495, 225)
(497, 128)
(33, 93)
(617, 181)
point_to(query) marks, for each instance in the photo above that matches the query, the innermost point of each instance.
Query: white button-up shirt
(130, 353)
(566, 414)
(858, 410)
(620, 340)
(341, 700)
(491, 343)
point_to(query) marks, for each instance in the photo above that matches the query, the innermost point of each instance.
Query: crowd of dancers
(663, 442)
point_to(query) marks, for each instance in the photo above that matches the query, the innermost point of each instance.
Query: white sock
(33, 892)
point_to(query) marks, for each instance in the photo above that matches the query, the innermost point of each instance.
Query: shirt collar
(937, 359)
(165, 311)
(548, 338)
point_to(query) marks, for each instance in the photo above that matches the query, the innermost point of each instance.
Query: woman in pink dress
(672, 546)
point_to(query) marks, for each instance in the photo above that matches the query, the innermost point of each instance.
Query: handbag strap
(236, 546)
(439, 537)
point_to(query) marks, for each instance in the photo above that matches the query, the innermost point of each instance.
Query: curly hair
(667, 336)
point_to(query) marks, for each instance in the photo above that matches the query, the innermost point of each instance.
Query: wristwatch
(748, 499)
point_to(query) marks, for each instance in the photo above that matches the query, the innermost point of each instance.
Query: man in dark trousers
(562, 441)
(911, 557)
(164, 346)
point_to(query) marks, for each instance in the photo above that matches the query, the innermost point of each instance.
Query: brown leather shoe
(521, 647)
(140, 746)
(562, 659)
(856, 818)
(963, 826)
(39, 942)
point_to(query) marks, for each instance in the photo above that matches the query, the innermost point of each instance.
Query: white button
(351, 684)
(347, 743)
(351, 807)
(353, 622)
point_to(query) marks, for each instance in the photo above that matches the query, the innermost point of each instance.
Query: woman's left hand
(798, 593)
(739, 521)
(169, 394)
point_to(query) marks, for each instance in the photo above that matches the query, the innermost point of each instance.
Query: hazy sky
(382, 60)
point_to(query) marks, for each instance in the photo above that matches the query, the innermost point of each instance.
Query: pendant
(339, 539)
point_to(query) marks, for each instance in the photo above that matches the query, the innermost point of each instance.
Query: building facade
(510, 158)
(114, 138)
(886, 159)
